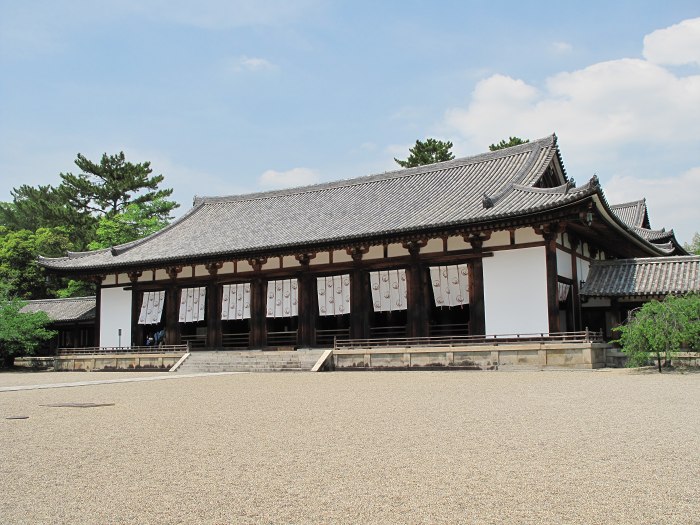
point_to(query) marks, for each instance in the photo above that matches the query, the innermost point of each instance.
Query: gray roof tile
(643, 277)
(403, 201)
(70, 309)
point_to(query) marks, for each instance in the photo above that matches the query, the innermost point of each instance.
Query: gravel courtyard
(385, 447)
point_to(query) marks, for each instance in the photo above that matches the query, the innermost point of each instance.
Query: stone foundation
(483, 357)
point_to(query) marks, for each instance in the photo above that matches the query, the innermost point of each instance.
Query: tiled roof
(71, 309)
(491, 186)
(643, 277)
(632, 213)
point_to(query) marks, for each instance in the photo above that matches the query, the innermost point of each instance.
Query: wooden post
(575, 297)
(477, 312)
(98, 308)
(258, 314)
(308, 307)
(550, 239)
(213, 316)
(417, 304)
(360, 296)
(137, 332)
(172, 314)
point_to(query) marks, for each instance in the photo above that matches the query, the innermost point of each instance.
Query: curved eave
(618, 224)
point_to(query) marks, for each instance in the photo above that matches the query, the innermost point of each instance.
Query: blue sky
(226, 97)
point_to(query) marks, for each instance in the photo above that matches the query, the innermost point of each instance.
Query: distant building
(72, 318)
(498, 243)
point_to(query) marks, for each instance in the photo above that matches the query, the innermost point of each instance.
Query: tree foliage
(660, 328)
(20, 333)
(108, 203)
(109, 187)
(512, 141)
(694, 245)
(47, 207)
(136, 221)
(428, 152)
(19, 269)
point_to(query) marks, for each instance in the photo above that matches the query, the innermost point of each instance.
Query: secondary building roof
(512, 182)
(643, 277)
(64, 310)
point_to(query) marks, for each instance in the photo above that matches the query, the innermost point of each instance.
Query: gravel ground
(385, 447)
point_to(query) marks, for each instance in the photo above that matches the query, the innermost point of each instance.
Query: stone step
(250, 361)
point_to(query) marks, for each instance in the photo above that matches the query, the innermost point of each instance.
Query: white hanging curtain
(192, 304)
(563, 290)
(388, 290)
(235, 303)
(450, 284)
(282, 298)
(333, 295)
(152, 307)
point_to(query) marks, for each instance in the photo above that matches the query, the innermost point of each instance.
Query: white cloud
(245, 63)
(675, 45)
(620, 118)
(272, 179)
(562, 48)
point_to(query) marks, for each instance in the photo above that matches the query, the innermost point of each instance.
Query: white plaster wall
(515, 292)
(564, 264)
(501, 238)
(523, 235)
(115, 313)
(583, 267)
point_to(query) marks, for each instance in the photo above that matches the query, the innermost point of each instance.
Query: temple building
(73, 320)
(498, 243)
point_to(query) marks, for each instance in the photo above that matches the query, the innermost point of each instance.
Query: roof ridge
(646, 260)
(387, 175)
(61, 299)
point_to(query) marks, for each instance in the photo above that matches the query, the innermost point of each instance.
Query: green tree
(660, 329)
(19, 270)
(512, 141)
(47, 207)
(134, 222)
(694, 245)
(20, 333)
(109, 187)
(428, 152)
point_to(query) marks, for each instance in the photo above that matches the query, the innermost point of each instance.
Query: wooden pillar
(360, 296)
(575, 297)
(550, 239)
(417, 300)
(172, 308)
(98, 308)
(477, 312)
(138, 337)
(258, 314)
(308, 303)
(213, 316)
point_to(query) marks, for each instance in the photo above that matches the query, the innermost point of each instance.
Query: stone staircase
(250, 361)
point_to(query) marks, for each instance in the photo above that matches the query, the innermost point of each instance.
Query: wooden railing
(100, 350)
(235, 340)
(446, 330)
(585, 336)
(326, 337)
(288, 338)
(379, 332)
(194, 341)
